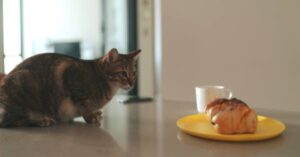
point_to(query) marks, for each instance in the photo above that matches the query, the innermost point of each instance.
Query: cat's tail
(2, 110)
(2, 76)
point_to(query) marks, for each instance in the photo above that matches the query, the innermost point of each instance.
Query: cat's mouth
(127, 87)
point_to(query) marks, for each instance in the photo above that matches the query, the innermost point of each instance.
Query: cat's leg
(41, 120)
(93, 117)
(45, 121)
(11, 120)
(32, 119)
(27, 99)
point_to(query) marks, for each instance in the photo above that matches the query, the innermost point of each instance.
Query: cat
(51, 88)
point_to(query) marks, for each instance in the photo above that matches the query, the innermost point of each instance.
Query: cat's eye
(124, 74)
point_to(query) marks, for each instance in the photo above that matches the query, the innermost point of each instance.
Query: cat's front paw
(93, 118)
(46, 121)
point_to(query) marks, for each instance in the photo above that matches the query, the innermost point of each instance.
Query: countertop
(143, 130)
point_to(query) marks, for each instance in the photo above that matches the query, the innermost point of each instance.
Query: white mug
(206, 94)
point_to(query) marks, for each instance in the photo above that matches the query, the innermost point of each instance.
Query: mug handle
(229, 93)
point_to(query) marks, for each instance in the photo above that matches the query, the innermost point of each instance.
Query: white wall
(250, 46)
(146, 43)
(116, 25)
(1, 38)
(62, 20)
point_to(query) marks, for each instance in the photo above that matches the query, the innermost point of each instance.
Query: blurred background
(85, 29)
(249, 46)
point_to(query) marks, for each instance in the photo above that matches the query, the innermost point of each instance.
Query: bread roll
(231, 116)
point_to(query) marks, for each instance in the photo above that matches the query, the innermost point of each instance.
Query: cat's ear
(134, 54)
(111, 56)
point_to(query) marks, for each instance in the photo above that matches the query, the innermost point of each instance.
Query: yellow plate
(199, 125)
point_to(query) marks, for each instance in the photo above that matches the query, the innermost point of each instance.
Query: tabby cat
(50, 88)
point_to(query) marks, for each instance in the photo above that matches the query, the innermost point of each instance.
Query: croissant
(231, 116)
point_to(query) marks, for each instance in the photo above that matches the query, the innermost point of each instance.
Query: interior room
(192, 53)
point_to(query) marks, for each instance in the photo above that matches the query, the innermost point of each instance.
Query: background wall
(250, 46)
(145, 43)
(62, 20)
(1, 39)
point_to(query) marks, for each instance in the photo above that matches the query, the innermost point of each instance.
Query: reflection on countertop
(72, 139)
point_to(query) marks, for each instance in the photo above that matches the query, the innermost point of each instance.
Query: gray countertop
(143, 130)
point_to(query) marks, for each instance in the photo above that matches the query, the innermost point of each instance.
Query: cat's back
(46, 61)
(46, 69)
